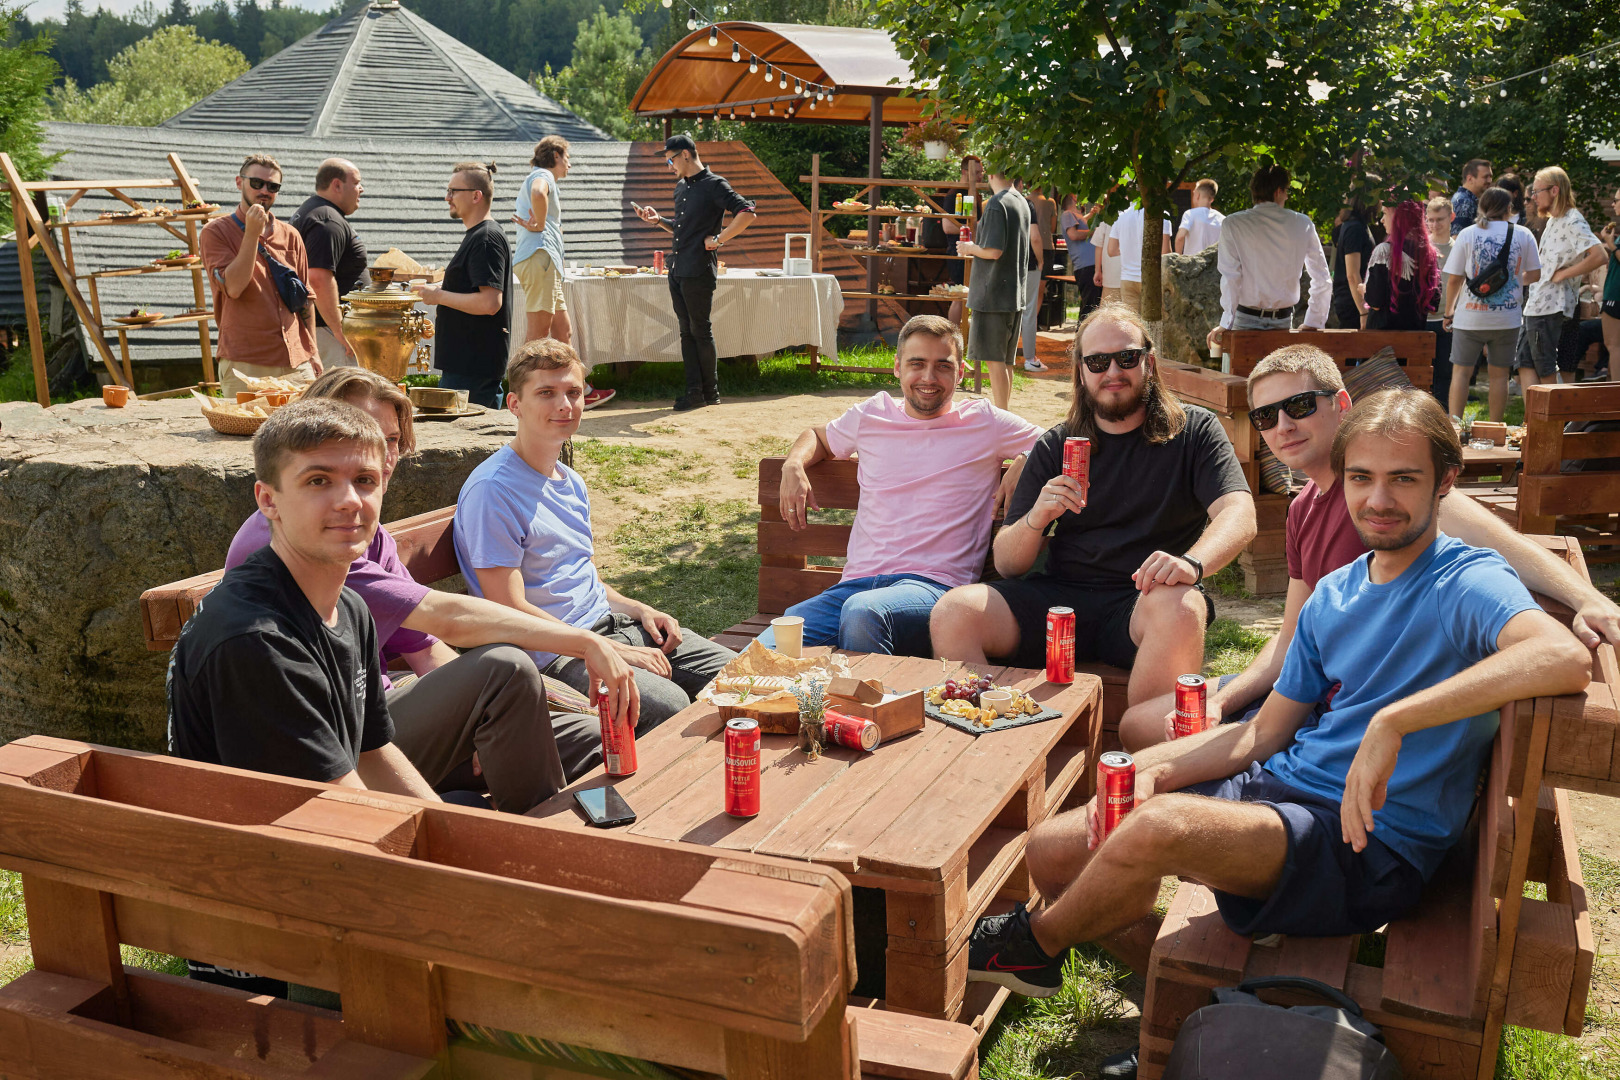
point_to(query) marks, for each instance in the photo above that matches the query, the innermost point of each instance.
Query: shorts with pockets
(1498, 345)
(993, 336)
(1538, 344)
(542, 283)
(1102, 618)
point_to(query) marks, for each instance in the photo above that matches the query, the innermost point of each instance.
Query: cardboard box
(868, 692)
(895, 715)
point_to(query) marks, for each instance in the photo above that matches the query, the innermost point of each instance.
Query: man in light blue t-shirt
(523, 539)
(1333, 826)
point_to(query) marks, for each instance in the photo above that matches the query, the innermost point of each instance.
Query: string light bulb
(1503, 91)
(691, 23)
(1544, 80)
(753, 111)
(812, 104)
(773, 108)
(669, 3)
(798, 86)
(770, 76)
(714, 37)
(734, 112)
(736, 53)
(753, 64)
(783, 82)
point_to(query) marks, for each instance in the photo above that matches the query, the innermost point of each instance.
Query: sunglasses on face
(1264, 417)
(258, 184)
(1099, 362)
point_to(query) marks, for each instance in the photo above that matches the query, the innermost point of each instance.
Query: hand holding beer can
(1116, 790)
(1077, 463)
(618, 738)
(1191, 699)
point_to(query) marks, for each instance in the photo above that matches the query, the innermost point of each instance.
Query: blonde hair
(1305, 360)
(544, 354)
(1165, 416)
(1564, 201)
(1209, 185)
(348, 383)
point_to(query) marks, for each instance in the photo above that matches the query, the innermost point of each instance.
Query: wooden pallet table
(936, 819)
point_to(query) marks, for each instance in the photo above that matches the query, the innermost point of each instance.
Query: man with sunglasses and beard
(1297, 401)
(258, 336)
(1167, 503)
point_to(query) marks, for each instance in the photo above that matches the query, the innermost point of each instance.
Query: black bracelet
(1195, 564)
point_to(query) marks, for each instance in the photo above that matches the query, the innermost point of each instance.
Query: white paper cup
(999, 700)
(789, 632)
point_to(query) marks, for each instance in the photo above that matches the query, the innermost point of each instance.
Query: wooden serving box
(895, 715)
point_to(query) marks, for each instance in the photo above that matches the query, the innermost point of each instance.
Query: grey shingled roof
(382, 72)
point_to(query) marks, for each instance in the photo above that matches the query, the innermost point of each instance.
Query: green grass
(696, 561)
(609, 467)
(1228, 583)
(1229, 647)
(1535, 1055)
(1479, 410)
(745, 459)
(13, 917)
(1068, 1034)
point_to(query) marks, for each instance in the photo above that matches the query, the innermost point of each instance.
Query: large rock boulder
(1192, 305)
(98, 505)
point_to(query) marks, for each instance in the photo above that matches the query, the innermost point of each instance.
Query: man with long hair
(1167, 502)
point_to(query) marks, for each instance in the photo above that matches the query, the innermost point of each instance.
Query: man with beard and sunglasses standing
(1167, 503)
(259, 336)
(1297, 401)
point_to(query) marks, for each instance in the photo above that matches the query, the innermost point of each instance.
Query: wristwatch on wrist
(1195, 564)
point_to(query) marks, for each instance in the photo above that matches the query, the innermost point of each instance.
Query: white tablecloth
(632, 318)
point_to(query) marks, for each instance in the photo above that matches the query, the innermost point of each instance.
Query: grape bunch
(967, 689)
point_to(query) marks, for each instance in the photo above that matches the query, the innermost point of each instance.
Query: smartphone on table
(604, 807)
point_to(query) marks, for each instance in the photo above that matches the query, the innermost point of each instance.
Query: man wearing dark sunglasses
(1297, 401)
(258, 337)
(1167, 502)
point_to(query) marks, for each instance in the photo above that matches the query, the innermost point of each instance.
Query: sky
(47, 9)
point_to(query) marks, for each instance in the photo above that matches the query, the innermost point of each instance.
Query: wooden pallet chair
(1548, 500)
(787, 576)
(1477, 952)
(1265, 568)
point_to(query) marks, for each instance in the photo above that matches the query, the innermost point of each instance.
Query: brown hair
(349, 383)
(1473, 166)
(1565, 200)
(1392, 414)
(1305, 360)
(548, 150)
(1267, 181)
(264, 160)
(1165, 416)
(480, 176)
(543, 354)
(307, 425)
(332, 170)
(1495, 204)
(931, 326)
(1209, 185)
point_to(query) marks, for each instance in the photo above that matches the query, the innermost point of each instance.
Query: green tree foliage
(26, 73)
(1145, 95)
(152, 80)
(523, 36)
(609, 63)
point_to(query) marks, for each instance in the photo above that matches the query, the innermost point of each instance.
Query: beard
(1396, 541)
(923, 407)
(1123, 409)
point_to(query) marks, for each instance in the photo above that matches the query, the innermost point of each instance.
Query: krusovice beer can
(742, 767)
(1077, 462)
(1060, 645)
(855, 732)
(1116, 783)
(618, 739)
(1191, 697)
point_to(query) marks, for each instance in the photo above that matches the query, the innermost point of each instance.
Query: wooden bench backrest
(416, 912)
(1414, 349)
(1546, 492)
(426, 547)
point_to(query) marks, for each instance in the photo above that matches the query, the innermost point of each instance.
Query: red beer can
(658, 262)
(1191, 717)
(742, 767)
(618, 739)
(1060, 645)
(1077, 462)
(855, 732)
(1116, 780)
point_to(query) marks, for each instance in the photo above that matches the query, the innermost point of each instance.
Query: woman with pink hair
(1403, 273)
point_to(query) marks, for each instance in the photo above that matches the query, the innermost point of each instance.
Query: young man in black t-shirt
(474, 328)
(337, 257)
(1167, 502)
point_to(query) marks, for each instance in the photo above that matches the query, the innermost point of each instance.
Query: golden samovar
(383, 325)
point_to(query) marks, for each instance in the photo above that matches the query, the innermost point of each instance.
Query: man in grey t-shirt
(997, 290)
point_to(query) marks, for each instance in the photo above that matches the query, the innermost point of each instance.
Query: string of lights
(1590, 58)
(804, 91)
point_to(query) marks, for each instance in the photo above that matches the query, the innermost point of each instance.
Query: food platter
(448, 414)
(138, 320)
(964, 714)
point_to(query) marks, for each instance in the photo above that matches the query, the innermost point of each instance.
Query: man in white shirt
(1200, 226)
(1106, 273)
(1261, 254)
(1125, 241)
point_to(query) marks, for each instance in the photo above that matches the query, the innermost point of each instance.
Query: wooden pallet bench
(1477, 953)
(417, 913)
(1265, 568)
(787, 577)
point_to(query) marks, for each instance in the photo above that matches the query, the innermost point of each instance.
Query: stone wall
(98, 505)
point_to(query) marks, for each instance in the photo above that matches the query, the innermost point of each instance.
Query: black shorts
(1611, 308)
(1102, 618)
(1327, 889)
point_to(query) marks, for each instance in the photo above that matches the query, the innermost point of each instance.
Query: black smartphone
(604, 807)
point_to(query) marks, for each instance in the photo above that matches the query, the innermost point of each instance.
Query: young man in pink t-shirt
(1296, 401)
(930, 477)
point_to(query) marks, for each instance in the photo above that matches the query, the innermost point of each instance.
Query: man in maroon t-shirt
(1296, 401)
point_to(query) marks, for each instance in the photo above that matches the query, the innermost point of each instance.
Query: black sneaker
(1121, 1066)
(687, 404)
(1003, 950)
(712, 400)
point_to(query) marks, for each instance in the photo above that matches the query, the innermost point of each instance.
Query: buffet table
(631, 317)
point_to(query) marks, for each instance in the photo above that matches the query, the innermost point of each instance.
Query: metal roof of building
(383, 72)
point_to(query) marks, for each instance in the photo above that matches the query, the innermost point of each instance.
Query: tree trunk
(1154, 201)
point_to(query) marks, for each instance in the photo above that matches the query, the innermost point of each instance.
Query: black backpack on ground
(1493, 276)
(1240, 1037)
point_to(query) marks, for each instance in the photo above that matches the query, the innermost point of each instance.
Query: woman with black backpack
(1490, 264)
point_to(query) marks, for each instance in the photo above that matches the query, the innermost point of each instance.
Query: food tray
(186, 261)
(233, 425)
(1002, 723)
(136, 320)
(446, 414)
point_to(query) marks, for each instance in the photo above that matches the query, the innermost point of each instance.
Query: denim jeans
(883, 614)
(1242, 320)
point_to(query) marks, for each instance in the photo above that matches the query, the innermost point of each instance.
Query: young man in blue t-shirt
(1333, 827)
(523, 539)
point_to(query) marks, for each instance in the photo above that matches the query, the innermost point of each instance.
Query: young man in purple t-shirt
(930, 479)
(1297, 401)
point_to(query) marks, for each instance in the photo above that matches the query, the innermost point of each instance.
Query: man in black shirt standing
(1167, 501)
(475, 316)
(337, 258)
(277, 672)
(701, 202)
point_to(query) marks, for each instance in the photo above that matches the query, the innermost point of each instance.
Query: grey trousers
(490, 699)
(695, 661)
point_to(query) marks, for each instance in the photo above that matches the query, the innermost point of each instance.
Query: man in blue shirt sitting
(1333, 827)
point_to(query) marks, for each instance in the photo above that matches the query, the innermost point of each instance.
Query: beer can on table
(855, 732)
(1060, 645)
(658, 262)
(1077, 462)
(1191, 717)
(742, 767)
(618, 739)
(1116, 782)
